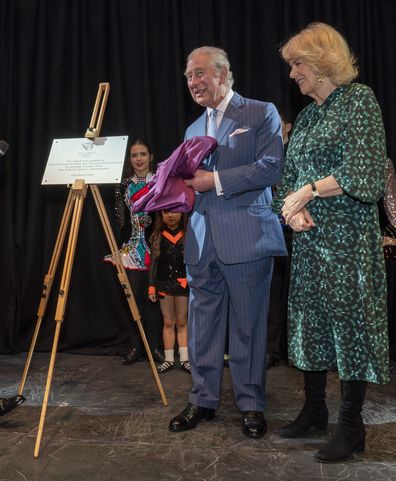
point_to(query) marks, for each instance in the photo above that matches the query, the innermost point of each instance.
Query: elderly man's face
(206, 84)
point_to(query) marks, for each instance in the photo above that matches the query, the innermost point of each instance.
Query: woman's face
(305, 77)
(310, 83)
(171, 219)
(140, 159)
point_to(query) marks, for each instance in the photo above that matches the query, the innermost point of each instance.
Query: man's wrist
(219, 189)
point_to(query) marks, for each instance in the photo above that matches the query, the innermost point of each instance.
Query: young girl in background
(135, 231)
(168, 283)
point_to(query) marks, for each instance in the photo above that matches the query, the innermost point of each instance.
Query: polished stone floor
(106, 422)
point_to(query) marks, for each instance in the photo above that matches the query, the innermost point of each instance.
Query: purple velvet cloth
(167, 189)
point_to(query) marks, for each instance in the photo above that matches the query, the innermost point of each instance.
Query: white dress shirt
(221, 108)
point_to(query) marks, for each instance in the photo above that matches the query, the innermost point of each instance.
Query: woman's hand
(302, 221)
(295, 202)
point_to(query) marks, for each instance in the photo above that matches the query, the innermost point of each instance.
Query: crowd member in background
(388, 226)
(277, 313)
(168, 283)
(333, 177)
(135, 230)
(231, 239)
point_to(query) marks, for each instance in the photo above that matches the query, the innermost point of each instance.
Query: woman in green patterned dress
(333, 178)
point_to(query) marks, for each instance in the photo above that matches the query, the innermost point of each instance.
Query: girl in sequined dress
(135, 230)
(168, 283)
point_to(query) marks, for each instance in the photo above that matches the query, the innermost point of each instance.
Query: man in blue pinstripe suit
(231, 240)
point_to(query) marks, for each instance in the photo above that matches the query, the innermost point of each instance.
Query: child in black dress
(168, 283)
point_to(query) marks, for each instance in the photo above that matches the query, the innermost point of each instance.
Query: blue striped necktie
(212, 124)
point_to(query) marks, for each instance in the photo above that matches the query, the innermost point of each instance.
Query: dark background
(54, 53)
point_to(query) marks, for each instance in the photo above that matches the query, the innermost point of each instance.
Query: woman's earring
(320, 77)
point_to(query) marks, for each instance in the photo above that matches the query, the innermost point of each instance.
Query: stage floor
(106, 422)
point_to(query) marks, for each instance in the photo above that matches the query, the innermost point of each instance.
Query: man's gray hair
(219, 60)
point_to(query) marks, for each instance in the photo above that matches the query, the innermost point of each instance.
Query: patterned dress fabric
(337, 299)
(168, 271)
(135, 253)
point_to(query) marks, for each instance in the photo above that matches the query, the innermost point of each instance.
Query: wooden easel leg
(47, 284)
(148, 351)
(123, 278)
(79, 192)
(47, 390)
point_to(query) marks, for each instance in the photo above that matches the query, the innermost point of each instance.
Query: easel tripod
(73, 211)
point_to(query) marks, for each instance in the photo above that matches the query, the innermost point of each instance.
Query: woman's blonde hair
(325, 50)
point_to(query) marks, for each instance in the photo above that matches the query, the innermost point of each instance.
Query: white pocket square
(239, 131)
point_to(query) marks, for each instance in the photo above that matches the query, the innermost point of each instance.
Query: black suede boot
(350, 434)
(314, 413)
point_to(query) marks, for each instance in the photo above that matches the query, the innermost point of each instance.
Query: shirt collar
(223, 104)
(149, 175)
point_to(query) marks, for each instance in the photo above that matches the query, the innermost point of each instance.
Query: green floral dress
(337, 299)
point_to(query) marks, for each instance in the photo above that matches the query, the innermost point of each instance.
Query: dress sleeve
(119, 204)
(362, 171)
(153, 270)
(286, 185)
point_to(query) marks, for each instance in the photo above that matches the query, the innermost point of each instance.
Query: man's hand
(302, 221)
(202, 181)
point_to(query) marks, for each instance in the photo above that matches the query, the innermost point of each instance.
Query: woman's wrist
(308, 192)
(314, 190)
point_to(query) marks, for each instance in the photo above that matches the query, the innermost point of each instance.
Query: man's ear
(223, 75)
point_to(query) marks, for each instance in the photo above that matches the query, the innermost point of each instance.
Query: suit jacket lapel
(201, 125)
(230, 117)
(228, 125)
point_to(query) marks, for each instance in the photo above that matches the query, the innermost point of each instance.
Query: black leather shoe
(8, 404)
(189, 417)
(253, 424)
(132, 356)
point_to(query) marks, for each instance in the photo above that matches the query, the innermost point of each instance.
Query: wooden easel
(73, 211)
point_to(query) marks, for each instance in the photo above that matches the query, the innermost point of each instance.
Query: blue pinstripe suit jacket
(242, 224)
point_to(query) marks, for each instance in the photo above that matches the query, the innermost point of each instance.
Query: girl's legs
(168, 313)
(138, 281)
(181, 309)
(151, 320)
(167, 305)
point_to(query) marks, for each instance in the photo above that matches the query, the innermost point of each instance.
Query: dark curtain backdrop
(53, 54)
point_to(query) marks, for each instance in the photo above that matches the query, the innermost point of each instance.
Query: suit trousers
(279, 294)
(238, 293)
